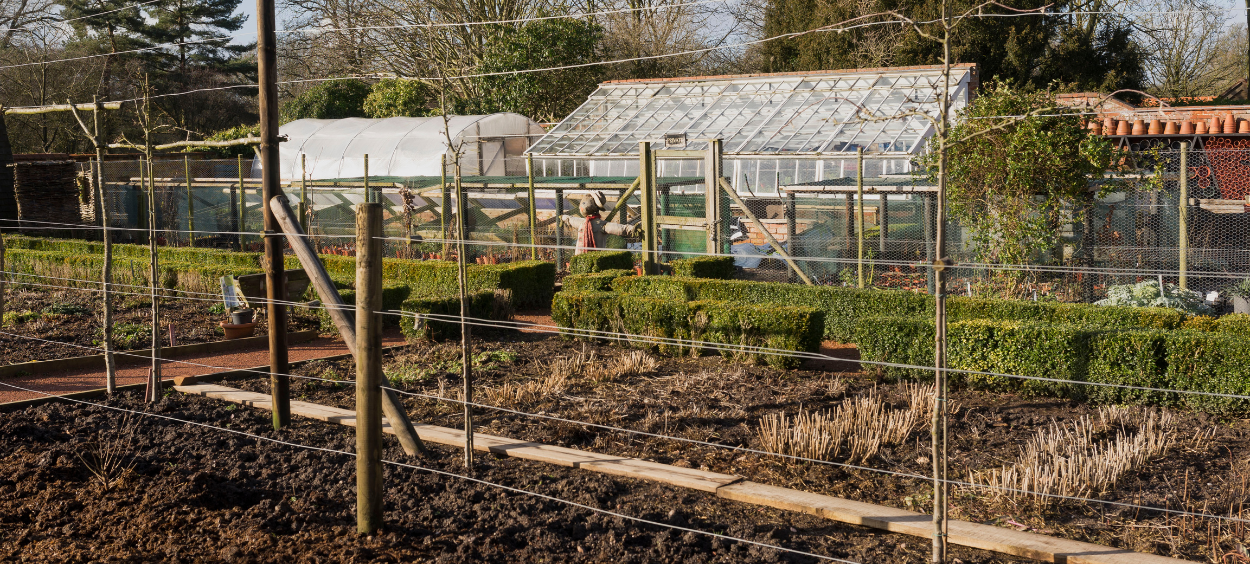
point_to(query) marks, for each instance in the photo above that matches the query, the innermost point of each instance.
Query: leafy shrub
(1118, 317)
(598, 261)
(1026, 349)
(899, 340)
(1149, 294)
(721, 268)
(711, 322)
(332, 99)
(1234, 323)
(1209, 362)
(483, 304)
(594, 281)
(393, 296)
(1129, 358)
(531, 282)
(392, 97)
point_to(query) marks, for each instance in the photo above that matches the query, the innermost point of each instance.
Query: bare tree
(19, 16)
(1187, 46)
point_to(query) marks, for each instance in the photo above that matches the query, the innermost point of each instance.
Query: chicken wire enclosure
(797, 127)
(490, 145)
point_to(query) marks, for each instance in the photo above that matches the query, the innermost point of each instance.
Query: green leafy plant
(1150, 294)
(391, 97)
(597, 261)
(1240, 289)
(332, 99)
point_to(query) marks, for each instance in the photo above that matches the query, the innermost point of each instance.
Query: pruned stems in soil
(110, 458)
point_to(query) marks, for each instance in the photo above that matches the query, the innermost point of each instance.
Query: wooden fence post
(368, 368)
(559, 229)
(303, 192)
(368, 195)
(110, 363)
(3, 275)
(791, 227)
(533, 207)
(1182, 242)
(154, 283)
(466, 339)
(446, 203)
(186, 167)
(859, 212)
(646, 178)
(242, 204)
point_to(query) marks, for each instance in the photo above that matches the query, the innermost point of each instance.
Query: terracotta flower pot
(1214, 127)
(1121, 127)
(1170, 128)
(1230, 123)
(638, 270)
(1095, 128)
(1243, 126)
(1108, 126)
(1155, 128)
(1187, 127)
(1139, 127)
(238, 331)
(1200, 128)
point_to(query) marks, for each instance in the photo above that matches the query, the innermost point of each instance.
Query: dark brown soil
(74, 317)
(193, 494)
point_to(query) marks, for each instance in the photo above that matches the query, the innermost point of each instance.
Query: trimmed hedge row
(712, 322)
(719, 268)
(598, 261)
(488, 304)
(532, 282)
(595, 281)
(845, 307)
(194, 255)
(84, 270)
(393, 296)
(1216, 362)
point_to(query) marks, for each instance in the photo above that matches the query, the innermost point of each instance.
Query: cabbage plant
(1150, 294)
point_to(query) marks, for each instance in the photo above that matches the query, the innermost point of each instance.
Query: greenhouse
(491, 145)
(777, 129)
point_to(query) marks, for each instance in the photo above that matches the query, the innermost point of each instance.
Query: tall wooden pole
(186, 168)
(446, 197)
(368, 195)
(275, 272)
(368, 368)
(110, 363)
(242, 204)
(466, 339)
(937, 425)
(1182, 216)
(155, 283)
(859, 211)
(646, 177)
(533, 206)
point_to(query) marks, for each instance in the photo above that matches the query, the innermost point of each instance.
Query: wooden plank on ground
(962, 533)
(595, 462)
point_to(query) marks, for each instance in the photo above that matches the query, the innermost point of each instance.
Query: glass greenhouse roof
(774, 114)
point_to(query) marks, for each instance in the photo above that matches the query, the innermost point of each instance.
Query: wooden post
(533, 207)
(341, 316)
(110, 363)
(446, 203)
(711, 195)
(368, 368)
(242, 205)
(1182, 216)
(646, 183)
(3, 276)
(859, 212)
(930, 256)
(791, 224)
(559, 229)
(621, 202)
(883, 222)
(186, 167)
(368, 195)
(466, 340)
(303, 192)
(155, 283)
(271, 187)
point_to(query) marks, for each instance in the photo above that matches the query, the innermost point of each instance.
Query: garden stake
(533, 207)
(938, 424)
(466, 340)
(2, 278)
(368, 368)
(859, 211)
(560, 229)
(1182, 219)
(242, 204)
(446, 211)
(303, 192)
(186, 166)
(154, 282)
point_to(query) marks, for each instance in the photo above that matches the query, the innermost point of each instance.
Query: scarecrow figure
(592, 230)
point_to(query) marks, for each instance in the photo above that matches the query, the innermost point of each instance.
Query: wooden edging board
(143, 355)
(177, 380)
(963, 533)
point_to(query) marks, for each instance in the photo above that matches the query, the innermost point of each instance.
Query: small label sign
(674, 140)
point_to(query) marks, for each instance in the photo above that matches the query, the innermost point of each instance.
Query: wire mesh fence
(1150, 222)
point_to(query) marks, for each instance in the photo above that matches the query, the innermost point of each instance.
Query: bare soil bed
(73, 317)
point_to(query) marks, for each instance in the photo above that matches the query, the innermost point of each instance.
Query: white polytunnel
(491, 145)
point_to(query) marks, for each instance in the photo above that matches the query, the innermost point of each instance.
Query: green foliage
(595, 281)
(1241, 289)
(1149, 294)
(712, 323)
(66, 309)
(1115, 317)
(899, 340)
(197, 272)
(392, 97)
(236, 132)
(393, 296)
(19, 317)
(1014, 186)
(332, 99)
(595, 261)
(721, 268)
(483, 304)
(1209, 362)
(1026, 349)
(1129, 358)
(546, 96)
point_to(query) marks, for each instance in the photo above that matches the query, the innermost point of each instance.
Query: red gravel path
(249, 357)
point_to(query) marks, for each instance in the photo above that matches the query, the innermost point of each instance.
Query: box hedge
(1020, 348)
(1209, 362)
(712, 322)
(532, 282)
(599, 261)
(720, 268)
(192, 255)
(393, 297)
(483, 304)
(594, 281)
(963, 308)
(129, 274)
(1129, 358)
